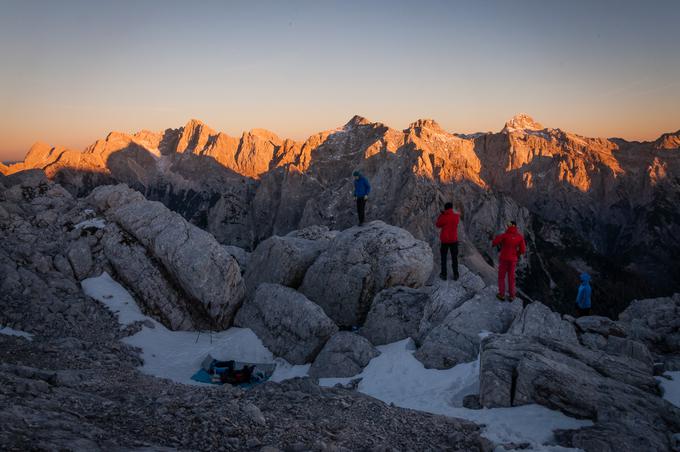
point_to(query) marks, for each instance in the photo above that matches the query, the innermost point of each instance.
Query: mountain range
(607, 206)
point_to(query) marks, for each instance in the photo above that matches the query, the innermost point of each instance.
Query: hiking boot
(510, 298)
(500, 297)
(442, 277)
(456, 276)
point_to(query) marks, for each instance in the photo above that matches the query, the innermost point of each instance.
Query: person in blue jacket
(361, 190)
(583, 297)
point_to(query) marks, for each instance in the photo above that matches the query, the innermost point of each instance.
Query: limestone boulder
(617, 392)
(395, 314)
(286, 322)
(539, 320)
(601, 325)
(192, 257)
(655, 322)
(604, 334)
(445, 296)
(156, 296)
(344, 355)
(282, 260)
(360, 262)
(242, 256)
(457, 338)
(314, 232)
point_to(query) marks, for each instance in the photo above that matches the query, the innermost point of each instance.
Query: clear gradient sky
(71, 71)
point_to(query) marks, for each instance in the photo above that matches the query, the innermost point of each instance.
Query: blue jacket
(361, 187)
(584, 290)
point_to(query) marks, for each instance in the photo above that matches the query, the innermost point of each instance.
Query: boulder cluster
(329, 299)
(75, 385)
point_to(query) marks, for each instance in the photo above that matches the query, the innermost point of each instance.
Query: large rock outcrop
(282, 260)
(539, 320)
(288, 324)
(444, 298)
(602, 333)
(196, 262)
(656, 323)
(144, 276)
(395, 315)
(360, 262)
(344, 355)
(242, 256)
(618, 393)
(456, 339)
(314, 232)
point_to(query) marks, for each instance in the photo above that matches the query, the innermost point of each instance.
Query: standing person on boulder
(512, 246)
(583, 296)
(448, 223)
(361, 190)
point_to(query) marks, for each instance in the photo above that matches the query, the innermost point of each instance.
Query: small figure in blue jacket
(361, 190)
(583, 297)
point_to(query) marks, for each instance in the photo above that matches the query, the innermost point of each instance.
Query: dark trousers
(444, 250)
(582, 312)
(361, 208)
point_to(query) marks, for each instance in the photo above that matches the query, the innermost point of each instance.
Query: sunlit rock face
(608, 206)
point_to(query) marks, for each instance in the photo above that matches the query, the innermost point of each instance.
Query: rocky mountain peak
(194, 136)
(668, 141)
(357, 121)
(522, 121)
(263, 133)
(115, 135)
(38, 151)
(430, 124)
(193, 123)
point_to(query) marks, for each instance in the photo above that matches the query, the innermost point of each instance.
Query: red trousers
(506, 268)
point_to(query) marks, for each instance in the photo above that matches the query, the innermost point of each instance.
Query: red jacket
(448, 223)
(512, 244)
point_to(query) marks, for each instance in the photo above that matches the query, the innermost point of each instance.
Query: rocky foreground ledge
(69, 393)
(75, 384)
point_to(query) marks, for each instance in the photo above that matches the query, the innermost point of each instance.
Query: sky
(72, 71)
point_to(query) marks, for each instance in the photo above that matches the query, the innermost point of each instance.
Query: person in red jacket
(512, 246)
(448, 223)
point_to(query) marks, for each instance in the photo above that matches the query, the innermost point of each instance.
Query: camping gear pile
(233, 372)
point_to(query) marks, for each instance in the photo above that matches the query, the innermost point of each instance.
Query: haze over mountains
(608, 206)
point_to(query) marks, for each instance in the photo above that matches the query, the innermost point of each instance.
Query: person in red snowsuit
(448, 223)
(512, 246)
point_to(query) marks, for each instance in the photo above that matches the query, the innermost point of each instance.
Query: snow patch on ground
(286, 371)
(177, 355)
(98, 223)
(7, 331)
(115, 297)
(396, 376)
(671, 388)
